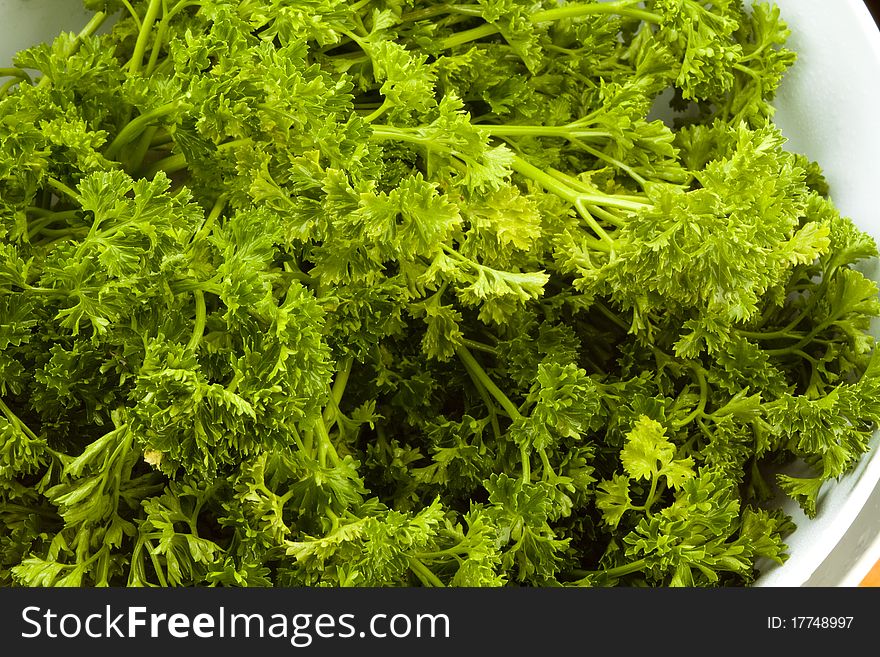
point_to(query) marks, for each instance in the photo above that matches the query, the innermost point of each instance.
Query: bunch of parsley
(402, 292)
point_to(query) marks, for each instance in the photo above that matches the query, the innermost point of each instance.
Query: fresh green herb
(399, 292)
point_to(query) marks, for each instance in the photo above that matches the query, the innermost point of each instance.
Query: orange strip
(873, 576)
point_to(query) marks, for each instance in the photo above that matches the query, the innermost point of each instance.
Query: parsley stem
(593, 196)
(175, 163)
(138, 23)
(15, 73)
(399, 134)
(622, 8)
(47, 218)
(547, 181)
(548, 472)
(704, 399)
(325, 445)
(477, 371)
(138, 125)
(298, 440)
(331, 411)
(490, 405)
(800, 343)
(140, 46)
(578, 199)
(440, 10)
(611, 315)
(157, 566)
(157, 45)
(48, 514)
(163, 137)
(425, 574)
(15, 421)
(466, 36)
(4, 90)
(134, 159)
(607, 216)
(200, 320)
(479, 346)
(455, 550)
(379, 111)
(61, 187)
(213, 215)
(526, 463)
(612, 161)
(565, 131)
(785, 332)
(617, 571)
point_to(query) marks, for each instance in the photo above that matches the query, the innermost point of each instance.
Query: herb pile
(392, 292)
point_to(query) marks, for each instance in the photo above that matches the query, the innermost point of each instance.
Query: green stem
(440, 10)
(42, 224)
(213, 215)
(175, 163)
(4, 90)
(61, 187)
(424, 573)
(398, 134)
(49, 514)
(622, 8)
(467, 36)
(338, 390)
(163, 137)
(563, 186)
(52, 235)
(138, 125)
(583, 210)
(200, 320)
(653, 494)
(477, 371)
(15, 73)
(479, 346)
(704, 399)
(140, 46)
(384, 107)
(805, 340)
(618, 571)
(157, 566)
(579, 200)
(784, 332)
(490, 405)
(564, 131)
(549, 472)
(613, 162)
(455, 550)
(607, 216)
(325, 445)
(547, 181)
(157, 46)
(135, 158)
(623, 201)
(138, 23)
(16, 422)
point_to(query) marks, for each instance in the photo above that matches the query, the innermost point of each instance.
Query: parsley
(417, 293)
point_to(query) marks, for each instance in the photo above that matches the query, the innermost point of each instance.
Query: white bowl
(827, 107)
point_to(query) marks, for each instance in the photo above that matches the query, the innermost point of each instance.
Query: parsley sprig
(390, 293)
